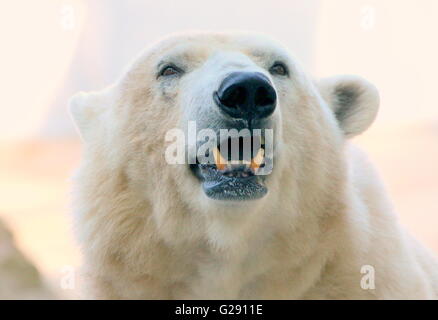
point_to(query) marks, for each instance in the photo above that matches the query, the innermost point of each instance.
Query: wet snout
(246, 95)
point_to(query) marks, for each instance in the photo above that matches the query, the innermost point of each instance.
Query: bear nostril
(234, 97)
(263, 97)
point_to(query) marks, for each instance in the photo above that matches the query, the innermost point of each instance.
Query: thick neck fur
(175, 247)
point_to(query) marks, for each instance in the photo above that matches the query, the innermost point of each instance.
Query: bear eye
(279, 69)
(169, 71)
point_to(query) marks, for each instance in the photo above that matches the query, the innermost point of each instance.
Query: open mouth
(234, 171)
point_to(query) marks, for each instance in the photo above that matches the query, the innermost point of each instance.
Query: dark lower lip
(235, 188)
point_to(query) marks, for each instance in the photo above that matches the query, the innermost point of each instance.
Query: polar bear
(316, 226)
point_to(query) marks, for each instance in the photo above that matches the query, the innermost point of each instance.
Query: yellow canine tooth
(258, 159)
(221, 163)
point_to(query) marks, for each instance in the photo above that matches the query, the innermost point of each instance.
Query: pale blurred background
(51, 49)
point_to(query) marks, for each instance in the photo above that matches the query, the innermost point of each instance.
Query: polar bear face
(212, 119)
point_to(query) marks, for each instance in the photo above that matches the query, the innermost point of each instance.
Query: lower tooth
(221, 163)
(258, 159)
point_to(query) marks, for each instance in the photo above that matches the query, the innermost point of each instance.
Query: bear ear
(353, 100)
(84, 108)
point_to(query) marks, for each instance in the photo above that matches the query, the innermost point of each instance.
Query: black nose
(246, 95)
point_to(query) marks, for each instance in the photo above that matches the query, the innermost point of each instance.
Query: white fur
(147, 230)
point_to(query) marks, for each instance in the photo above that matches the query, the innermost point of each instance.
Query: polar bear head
(156, 133)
